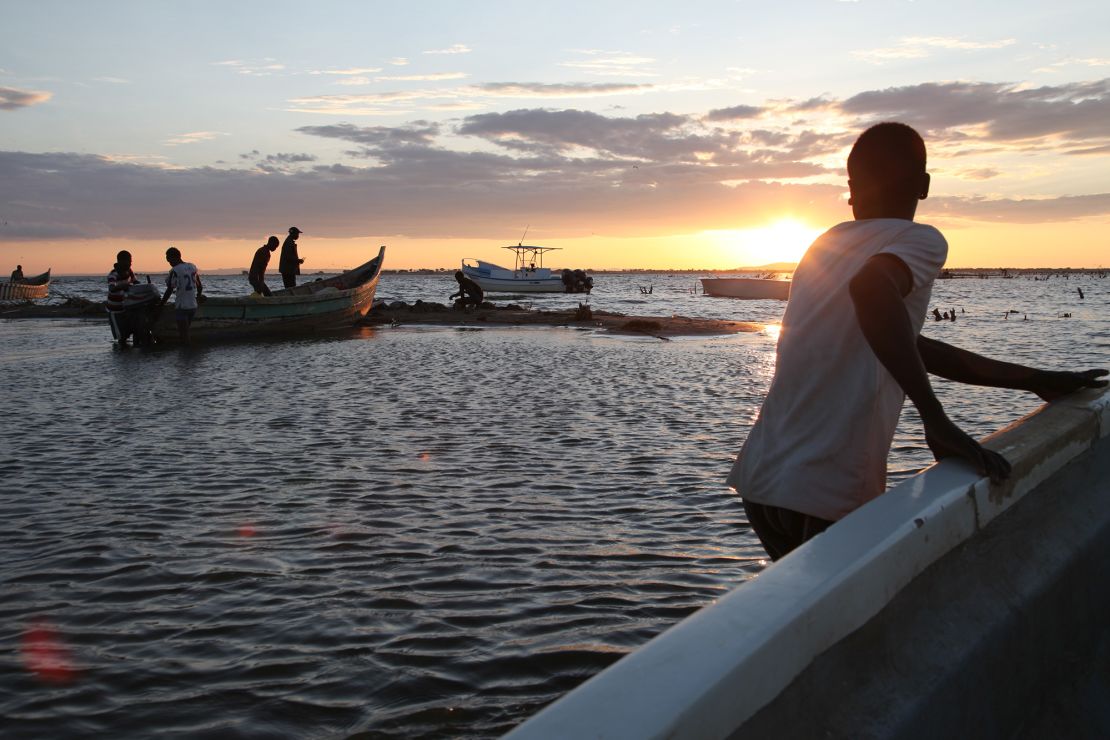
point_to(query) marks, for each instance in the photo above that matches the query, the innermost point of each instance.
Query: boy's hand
(945, 439)
(1051, 384)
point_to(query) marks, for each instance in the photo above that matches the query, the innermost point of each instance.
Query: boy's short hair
(887, 153)
(122, 255)
(173, 253)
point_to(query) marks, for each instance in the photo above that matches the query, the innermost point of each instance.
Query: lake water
(399, 532)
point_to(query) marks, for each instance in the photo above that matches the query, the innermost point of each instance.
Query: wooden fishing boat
(318, 305)
(27, 289)
(752, 288)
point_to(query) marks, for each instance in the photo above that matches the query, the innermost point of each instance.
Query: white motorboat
(754, 287)
(527, 276)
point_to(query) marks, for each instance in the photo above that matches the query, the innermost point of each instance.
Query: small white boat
(756, 287)
(527, 276)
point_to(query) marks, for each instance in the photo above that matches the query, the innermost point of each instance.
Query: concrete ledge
(708, 675)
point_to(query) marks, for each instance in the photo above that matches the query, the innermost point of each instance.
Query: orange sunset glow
(701, 146)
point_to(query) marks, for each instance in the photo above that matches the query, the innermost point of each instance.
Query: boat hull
(315, 306)
(751, 288)
(28, 289)
(519, 285)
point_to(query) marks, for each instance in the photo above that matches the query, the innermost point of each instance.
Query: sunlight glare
(784, 240)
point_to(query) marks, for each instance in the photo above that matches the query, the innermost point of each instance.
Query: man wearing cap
(290, 263)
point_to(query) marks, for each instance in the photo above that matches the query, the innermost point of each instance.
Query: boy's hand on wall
(1051, 384)
(945, 439)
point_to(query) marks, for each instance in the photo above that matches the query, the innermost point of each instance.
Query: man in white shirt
(185, 281)
(850, 350)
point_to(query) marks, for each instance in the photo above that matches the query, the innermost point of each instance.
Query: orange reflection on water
(425, 456)
(45, 654)
(247, 530)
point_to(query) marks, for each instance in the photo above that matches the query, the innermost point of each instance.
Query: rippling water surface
(398, 532)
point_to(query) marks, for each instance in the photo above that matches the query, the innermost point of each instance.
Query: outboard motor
(140, 310)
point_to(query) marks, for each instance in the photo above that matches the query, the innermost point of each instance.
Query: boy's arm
(962, 366)
(877, 291)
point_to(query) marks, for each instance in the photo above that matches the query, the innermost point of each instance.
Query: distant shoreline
(783, 267)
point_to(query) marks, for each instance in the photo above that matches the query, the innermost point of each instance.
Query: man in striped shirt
(119, 280)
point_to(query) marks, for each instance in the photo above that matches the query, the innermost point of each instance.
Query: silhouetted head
(123, 257)
(886, 172)
(19, 267)
(272, 243)
(459, 275)
(173, 255)
(294, 232)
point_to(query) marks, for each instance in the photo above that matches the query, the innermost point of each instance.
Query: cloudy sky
(631, 134)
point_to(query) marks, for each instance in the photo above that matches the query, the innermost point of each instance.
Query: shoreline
(436, 314)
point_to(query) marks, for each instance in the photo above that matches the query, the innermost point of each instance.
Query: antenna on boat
(521, 242)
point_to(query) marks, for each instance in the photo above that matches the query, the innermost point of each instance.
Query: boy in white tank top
(850, 350)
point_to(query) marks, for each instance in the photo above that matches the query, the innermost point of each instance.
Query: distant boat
(760, 287)
(27, 289)
(527, 276)
(316, 305)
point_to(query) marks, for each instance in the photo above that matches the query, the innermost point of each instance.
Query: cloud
(917, 47)
(455, 49)
(1022, 210)
(354, 81)
(13, 99)
(412, 190)
(350, 71)
(982, 173)
(556, 90)
(383, 103)
(611, 63)
(262, 68)
(194, 137)
(993, 112)
(563, 130)
(417, 133)
(577, 171)
(1090, 62)
(436, 76)
(280, 158)
(734, 113)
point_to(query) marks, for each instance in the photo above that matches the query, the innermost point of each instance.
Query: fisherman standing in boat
(17, 274)
(257, 274)
(185, 281)
(850, 351)
(469, 294)
(289, 265)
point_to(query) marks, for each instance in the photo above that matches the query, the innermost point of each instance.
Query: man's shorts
(185, 314)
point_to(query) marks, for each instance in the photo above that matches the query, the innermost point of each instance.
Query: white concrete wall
(705, 677)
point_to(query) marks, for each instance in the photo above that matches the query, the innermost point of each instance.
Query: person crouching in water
(257, 274)
(185, 281)
(470, 293)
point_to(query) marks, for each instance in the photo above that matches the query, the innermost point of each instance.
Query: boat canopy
(528, 258)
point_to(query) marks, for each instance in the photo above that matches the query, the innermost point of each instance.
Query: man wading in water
(850, 351)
